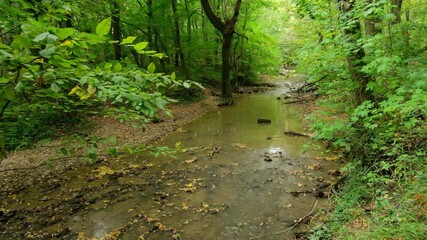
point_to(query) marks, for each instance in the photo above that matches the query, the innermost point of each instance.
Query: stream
(233, 180)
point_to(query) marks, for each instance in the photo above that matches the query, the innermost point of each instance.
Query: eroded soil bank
(234, 179)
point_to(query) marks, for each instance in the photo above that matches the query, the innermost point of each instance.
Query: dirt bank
(47, 156)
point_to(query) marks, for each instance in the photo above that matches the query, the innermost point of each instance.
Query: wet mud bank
(234, 179)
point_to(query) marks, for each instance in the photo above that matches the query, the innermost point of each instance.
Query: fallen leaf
(191, 160)
(184, 206)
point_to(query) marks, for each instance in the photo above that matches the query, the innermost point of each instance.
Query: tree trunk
(226, 54)
(357, 54)
(227, 29)
(179, 54)
(397, 7)
(116, 30)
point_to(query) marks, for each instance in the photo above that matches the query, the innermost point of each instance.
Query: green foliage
(49, 72)
(384, 136)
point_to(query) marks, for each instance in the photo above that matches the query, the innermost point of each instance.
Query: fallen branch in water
(302, 219)
(316, 189)
(292, 133)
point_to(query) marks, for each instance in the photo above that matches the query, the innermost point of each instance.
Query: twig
(10, 30)
(4, 108)
(299, 221)
(215, 151)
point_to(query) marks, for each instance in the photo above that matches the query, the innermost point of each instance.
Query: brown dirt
(126, 134)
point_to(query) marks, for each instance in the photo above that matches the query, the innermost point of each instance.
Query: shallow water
(221, 187)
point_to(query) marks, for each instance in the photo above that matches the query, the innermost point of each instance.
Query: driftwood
(300, 97)
(292, 133)
(263, 120)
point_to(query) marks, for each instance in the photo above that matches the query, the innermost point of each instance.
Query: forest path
(236, 179)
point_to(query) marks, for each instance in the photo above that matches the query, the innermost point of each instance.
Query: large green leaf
(41, 37)
(128, 40)
(55, 87)
(151, 68)
(47, 53)
(21, 42)
(140, 46)
(117, 67)
(64, 33)
(103, 27)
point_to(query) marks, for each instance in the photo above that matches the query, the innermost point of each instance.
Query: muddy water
(219, 187)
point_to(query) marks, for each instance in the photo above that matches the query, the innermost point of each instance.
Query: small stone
(268, 159)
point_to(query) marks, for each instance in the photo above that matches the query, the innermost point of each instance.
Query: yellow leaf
(39, 60)
(66, 43)
(191, 160)
(85, 96)
(91, 89)
(104, 170)
(184, 206)
(74, 90)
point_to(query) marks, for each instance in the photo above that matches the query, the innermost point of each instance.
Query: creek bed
(234, 181)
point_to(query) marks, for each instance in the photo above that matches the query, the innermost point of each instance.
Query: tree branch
(215, 20)
(4, 108)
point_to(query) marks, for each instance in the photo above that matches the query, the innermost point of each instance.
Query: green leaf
(140, 46)
(64, 33)
(51, 38)
(47, 53)
(158, 55)
(103, 27)
(117, 67)
(4, 54)
(151, 68)
(64, 151)
(21, 42)
(19, 86)
(55, 87)
(41, 37)
(4, 46)
(3, 80)
(186, 85)
(28, 28)
(128, 40)
(91, 89)
(173, 76)
(9, 94)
